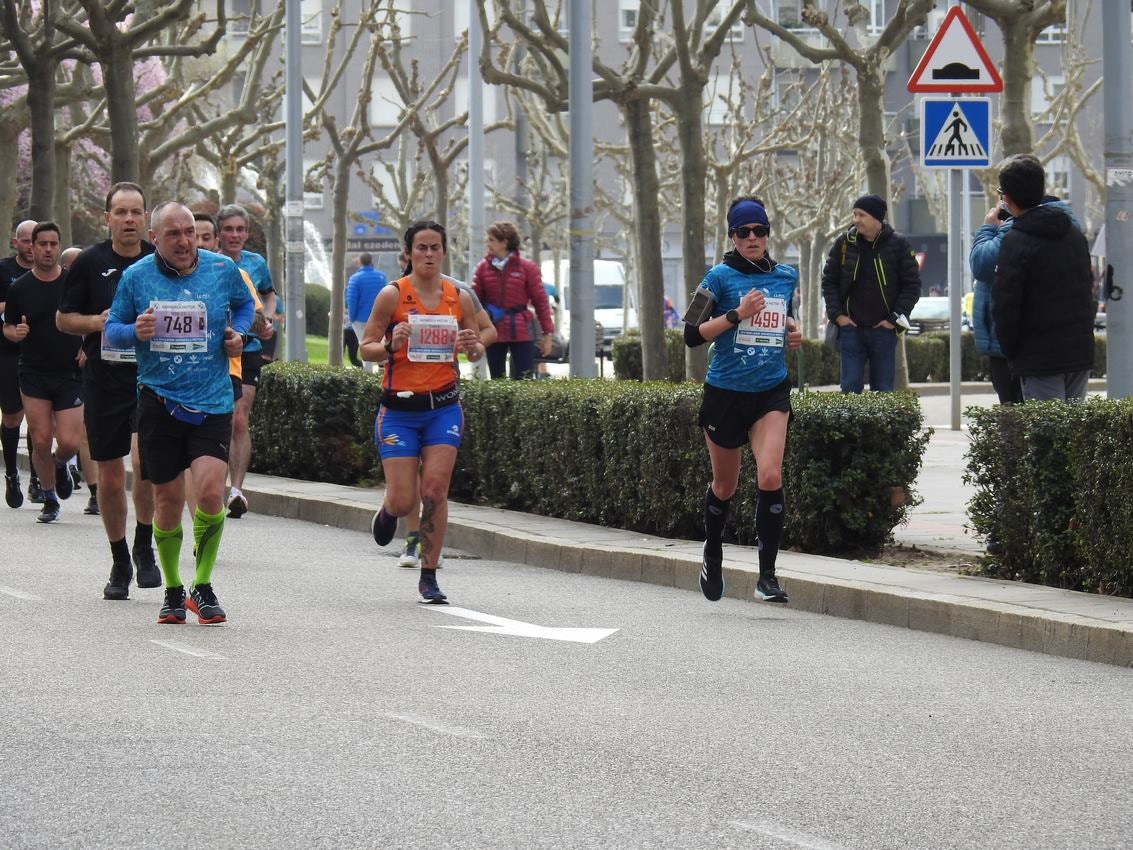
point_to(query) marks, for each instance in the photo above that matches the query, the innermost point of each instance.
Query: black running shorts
(63, 389)
(111, 396)
(10, 400)
(727, 416)
(168, 446)
(251, 362)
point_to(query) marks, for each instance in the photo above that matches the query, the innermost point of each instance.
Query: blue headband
(747, 212)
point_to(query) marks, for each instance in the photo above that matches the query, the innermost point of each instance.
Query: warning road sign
(955, 61)
(955, 132)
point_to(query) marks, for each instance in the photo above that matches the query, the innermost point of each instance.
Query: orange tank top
(403, 374)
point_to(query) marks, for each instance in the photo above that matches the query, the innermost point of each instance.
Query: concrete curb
(1038, 619)
(1030, 617)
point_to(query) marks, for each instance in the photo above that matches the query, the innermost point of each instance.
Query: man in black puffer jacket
(870, 283)
(1042, 298)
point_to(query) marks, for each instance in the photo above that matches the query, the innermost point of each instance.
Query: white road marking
(452, 731)
(782, 833)
(517, 628)
(187, 649)
(18, 594)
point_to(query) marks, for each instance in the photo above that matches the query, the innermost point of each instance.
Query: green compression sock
(168, 545)
(206, 534)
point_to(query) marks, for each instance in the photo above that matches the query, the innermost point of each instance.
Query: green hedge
(1054, 489)
(617, 453)
(317, 305)
(927, 355)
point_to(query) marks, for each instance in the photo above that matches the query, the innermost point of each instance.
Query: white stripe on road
(186, 648)
(791, 836)
(18, 594)
(453, 731)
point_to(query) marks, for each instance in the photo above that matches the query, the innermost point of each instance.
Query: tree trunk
(1015, 102)
(693, 173)
(41, 106)
(62, 211)
(118, 78)
(647, 224)
(9, 164)
(340, 201)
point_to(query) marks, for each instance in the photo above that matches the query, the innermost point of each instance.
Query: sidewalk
(1031, 617)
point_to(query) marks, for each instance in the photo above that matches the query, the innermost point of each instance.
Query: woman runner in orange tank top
(418, 326)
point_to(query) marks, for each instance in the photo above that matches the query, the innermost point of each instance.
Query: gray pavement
(332, 711)
(1039, 619)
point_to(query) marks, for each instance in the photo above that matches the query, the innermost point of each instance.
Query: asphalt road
(333, 711)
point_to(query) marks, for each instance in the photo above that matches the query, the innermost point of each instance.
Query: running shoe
(767, 589)
(237, 504)
(12, 492)
(202, 602)
(148, 573)
(63, 482)
(92, 506)
(118, 587)
(76, 477)
(430, 592)
(50, 511)
(383, 527)
(411, 557)
(173, 611)
(35, 492)
(712, 574)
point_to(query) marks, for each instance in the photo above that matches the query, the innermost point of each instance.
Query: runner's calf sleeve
(206, 533)
(769, 528)
(168, 545)
(715, 516)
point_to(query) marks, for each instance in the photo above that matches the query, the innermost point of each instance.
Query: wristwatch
(732, 316)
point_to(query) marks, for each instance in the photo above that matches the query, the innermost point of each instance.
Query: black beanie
(873, 204)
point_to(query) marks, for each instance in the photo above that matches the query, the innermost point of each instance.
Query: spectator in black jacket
(870, 283)
(1042, 298)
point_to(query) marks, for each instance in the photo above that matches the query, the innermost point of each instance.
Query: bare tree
(1020, 22)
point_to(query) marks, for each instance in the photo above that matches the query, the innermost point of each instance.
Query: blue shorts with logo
(403, 433)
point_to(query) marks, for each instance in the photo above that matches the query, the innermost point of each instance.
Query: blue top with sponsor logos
(193, 367)
(257, 268)
(750, 357)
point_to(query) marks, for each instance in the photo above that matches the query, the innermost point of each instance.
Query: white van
(612, 312)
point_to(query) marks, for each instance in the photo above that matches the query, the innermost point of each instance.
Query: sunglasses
(754, 230)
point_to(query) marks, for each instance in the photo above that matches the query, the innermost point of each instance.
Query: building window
(715, 17)
(1044, 91)
(627, 19)
(311, 12)
(385, 103)
(1054, 34)
(789, 14)
(312, 198)
(1058, 177)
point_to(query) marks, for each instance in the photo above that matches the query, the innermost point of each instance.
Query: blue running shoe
(712, 575)
(383, 527)
(430, 592)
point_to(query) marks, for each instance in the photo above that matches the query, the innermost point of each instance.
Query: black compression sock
(769, 528)
(10, 438)
(715, 516)
(120, 551)
(143, 536)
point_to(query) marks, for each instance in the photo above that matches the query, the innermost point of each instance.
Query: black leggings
(350, 342)
(522, 359)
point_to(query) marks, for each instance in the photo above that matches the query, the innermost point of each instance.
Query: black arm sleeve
(693, 337)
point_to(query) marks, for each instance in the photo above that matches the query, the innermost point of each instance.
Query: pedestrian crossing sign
(955, 132)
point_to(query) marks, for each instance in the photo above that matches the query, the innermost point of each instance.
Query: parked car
(930, 314)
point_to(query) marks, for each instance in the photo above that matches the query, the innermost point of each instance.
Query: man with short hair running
(185, 311)
(11, 405)
(50, 384)
(110, 387)
(234, 228)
